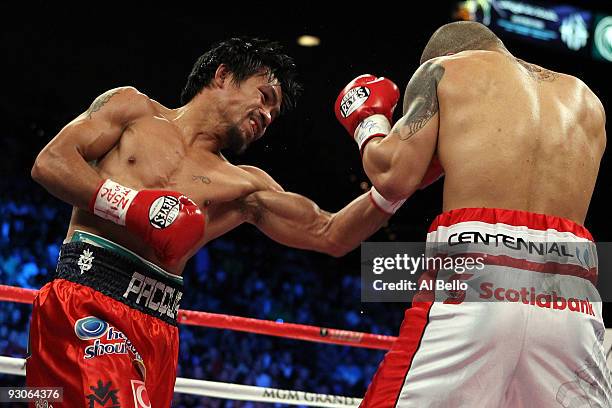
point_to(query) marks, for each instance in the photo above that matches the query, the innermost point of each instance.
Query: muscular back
(514, 135)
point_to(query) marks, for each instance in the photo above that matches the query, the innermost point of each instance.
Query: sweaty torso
(517, 136)
(152, 154)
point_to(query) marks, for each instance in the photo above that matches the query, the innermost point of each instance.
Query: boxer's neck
(201, 122)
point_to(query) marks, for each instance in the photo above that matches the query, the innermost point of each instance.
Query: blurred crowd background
(243, 274)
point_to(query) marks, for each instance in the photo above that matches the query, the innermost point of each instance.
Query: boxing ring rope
(249, 325)
(16, 366)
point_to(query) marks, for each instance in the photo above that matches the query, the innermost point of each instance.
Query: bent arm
(296, 221)
(62, 166)
(397, 163)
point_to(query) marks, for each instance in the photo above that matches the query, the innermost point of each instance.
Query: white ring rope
(16, 366)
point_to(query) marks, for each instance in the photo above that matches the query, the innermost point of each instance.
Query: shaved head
(460, 36)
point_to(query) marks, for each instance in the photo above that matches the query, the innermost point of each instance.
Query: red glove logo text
(164, 211)
(353, 100)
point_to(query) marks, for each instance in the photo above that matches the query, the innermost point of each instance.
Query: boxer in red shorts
(150, 186)
(520, 148)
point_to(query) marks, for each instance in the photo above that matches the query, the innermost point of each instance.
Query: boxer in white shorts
(520, 148)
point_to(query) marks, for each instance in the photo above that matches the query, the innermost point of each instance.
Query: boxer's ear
(222, 76)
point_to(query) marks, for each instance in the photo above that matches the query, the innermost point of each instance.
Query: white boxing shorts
(527, 333)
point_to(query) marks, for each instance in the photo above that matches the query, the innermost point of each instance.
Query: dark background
(56, 60)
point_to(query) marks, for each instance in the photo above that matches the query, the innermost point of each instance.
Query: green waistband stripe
(92, 239)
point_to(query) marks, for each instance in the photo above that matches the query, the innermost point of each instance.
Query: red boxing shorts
(105, 328)
(528, 331)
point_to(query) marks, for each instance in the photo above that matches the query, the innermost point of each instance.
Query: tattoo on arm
(421, 99)
(99, 102)
(203, 179)
(538, 73)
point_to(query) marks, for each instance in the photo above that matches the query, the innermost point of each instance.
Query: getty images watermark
(398, 271)
(411, 265)
(555, 275)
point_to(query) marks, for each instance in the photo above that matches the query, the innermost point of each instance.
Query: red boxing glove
(168, 221)
(434, 172)
(365, 107)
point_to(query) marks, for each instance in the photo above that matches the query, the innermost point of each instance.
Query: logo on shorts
(514, 243)
(107, 340)
(90, 328)
(102, 395)
(85, 261)
(353, 100)
(164, 211)
(141, 398)
(154, 295)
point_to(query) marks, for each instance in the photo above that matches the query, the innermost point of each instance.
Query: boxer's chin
(236, 140)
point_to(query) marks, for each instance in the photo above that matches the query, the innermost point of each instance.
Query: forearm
(63, 172)
(296, 221)
(355, 223)
(376, 162)
(397, 164)
(391, 174)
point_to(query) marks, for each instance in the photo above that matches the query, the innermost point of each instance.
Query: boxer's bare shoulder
(263, 179)
(593, 109)
(248, 203)
(479, 69)
(118, 104)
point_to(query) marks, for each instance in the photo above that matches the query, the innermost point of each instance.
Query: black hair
(460, 36)
(244, 58)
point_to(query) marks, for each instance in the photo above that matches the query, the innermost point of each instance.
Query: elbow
(38, 170)
(334, 243)
(41, 169)
(338, 250)
(394, 189)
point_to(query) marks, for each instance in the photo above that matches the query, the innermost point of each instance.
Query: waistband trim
(515, 218)
(96, 240)
(124, 279)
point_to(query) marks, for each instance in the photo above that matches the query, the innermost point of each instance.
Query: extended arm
(296, 221)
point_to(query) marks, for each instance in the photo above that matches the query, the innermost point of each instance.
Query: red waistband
(510, 217)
